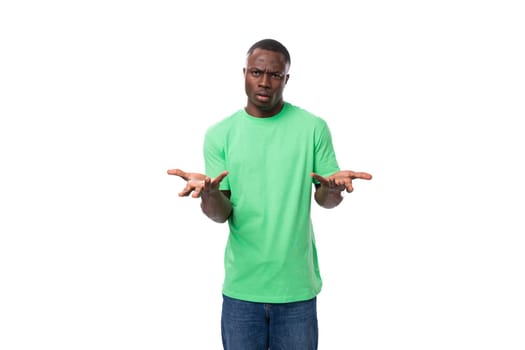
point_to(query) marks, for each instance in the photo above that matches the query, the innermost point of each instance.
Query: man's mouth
(262, 97)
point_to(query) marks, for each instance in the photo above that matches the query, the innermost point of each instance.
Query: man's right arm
(216, 205)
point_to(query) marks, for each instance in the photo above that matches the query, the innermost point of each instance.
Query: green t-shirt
(270, 255)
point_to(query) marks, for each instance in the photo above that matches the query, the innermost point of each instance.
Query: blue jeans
(260, 326)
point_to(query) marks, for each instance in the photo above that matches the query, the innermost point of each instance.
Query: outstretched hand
(196, 183)
(341, 180)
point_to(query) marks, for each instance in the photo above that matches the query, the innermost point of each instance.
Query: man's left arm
(328, 193)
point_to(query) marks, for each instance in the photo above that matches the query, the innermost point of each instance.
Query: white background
(99, 98)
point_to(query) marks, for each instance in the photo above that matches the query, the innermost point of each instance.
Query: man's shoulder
(304, 115)
(223, 124)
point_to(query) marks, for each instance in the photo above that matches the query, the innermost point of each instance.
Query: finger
(341, 181)
(178, 172)
(196, 192)
(340, 185)
(187, 189)
(221, 176)
(319, 178)
(185, 192)
(361, 175)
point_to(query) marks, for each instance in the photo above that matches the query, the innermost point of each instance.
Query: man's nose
(266, 79)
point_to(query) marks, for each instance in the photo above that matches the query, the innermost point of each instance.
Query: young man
(261, 163)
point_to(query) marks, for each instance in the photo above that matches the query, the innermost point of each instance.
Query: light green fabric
(271, 254)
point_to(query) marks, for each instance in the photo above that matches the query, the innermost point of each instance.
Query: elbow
(218, 217)
(329, 203)
(219, 220)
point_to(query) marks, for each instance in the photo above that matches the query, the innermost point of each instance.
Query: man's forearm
(216, 206)
(328, 198)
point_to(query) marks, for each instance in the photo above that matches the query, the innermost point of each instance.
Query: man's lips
(262, 97)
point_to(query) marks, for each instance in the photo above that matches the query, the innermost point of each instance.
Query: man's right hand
(196, 183)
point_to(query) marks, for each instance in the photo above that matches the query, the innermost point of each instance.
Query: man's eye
(277, 76)
(256, 73)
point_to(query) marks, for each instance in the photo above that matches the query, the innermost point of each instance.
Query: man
(260, 165)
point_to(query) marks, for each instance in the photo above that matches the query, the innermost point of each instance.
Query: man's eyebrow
(268, 71)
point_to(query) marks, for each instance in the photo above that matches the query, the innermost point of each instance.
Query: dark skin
(265, 76)
(215, 204)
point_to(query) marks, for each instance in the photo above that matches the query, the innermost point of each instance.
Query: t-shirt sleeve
(214, 158)
(325, 160)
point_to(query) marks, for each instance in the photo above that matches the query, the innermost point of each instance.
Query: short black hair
(271, 45)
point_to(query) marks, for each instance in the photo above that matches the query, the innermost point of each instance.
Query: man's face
(265, 76)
